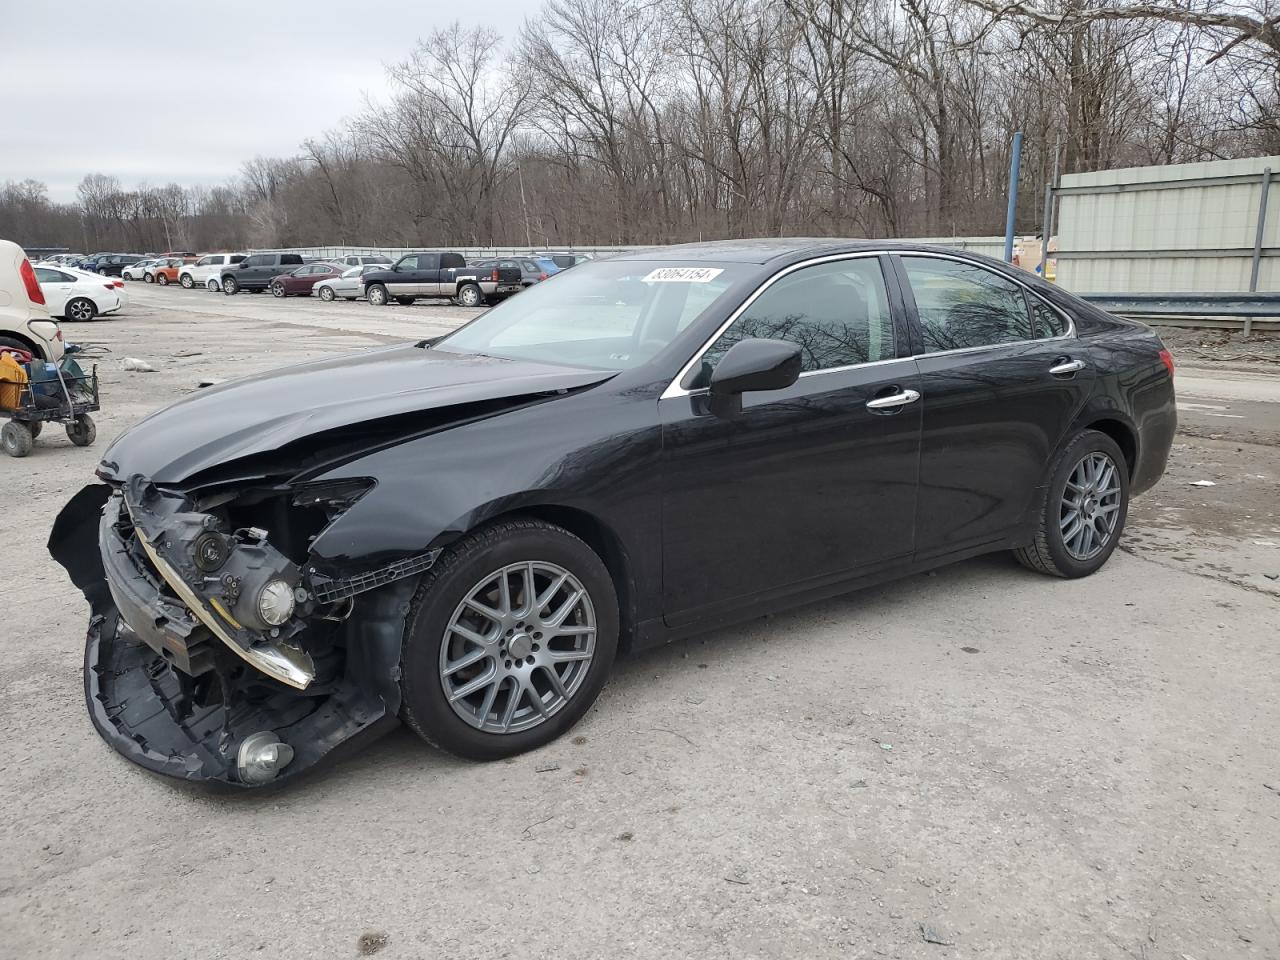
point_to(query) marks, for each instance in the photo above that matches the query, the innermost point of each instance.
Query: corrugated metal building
(1180, 228)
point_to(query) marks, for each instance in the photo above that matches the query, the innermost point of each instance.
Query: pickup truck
(255, 273)
(435, 274)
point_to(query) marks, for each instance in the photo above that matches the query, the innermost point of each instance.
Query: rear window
(452, 261)
(237, 258)
(291, 258)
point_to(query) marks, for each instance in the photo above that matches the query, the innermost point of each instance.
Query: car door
(1003, 377)
(432, 280)
(808, 485)
(407, 280)
(56, 286)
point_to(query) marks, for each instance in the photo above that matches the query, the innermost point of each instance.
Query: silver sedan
(348, 285)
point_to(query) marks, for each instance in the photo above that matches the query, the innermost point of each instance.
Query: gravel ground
(979, 762)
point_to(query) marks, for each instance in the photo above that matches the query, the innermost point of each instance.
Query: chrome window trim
(675, 390)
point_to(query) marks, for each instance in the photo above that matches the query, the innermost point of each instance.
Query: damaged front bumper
(181, 680)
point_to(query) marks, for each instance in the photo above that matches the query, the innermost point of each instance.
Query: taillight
(494, 278)
(1167, 359)
(58, 335)
(109, 286)
(118, 283)
(34, 293)
(543, 276)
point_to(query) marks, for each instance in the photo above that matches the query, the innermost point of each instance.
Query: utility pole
(1015, 163)
(1046, 224)
(524, 205)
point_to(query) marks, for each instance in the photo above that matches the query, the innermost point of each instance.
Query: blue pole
(1014, 164)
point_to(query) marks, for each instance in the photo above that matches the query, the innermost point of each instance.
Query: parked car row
(431, 274)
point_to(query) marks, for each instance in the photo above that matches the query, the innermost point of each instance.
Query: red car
(298, 282)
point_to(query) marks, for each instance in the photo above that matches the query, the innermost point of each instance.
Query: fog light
(275, 602)
(261, 757)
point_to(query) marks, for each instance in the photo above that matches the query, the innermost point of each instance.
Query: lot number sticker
(683, 275)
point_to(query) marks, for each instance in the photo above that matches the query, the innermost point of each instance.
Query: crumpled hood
(264, 412)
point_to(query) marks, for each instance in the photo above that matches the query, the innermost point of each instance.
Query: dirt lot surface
(979, 762)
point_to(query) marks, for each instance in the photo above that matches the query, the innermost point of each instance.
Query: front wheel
(163, 280)
(1084, 511)
(327, 294)
(230, 287)
(149, 277)
(277, 290)
(377, 295)
(82, 431)
(509, 640)
(213, 286)
(470, 296)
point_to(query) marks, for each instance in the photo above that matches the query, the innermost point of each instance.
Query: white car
(136, 271)
(347, 286)
(359, 260)
(79, 295)
(24, 316)
(206, 271)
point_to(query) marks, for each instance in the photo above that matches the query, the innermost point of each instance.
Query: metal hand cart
(39, 402)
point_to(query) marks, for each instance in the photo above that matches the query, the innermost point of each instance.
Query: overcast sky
(186, 92)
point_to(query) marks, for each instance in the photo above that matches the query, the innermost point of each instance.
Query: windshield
(614, 315)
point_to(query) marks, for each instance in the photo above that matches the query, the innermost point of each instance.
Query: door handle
(1064, 367)
(894, 400)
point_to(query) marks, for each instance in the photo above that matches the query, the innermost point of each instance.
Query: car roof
(764, 250)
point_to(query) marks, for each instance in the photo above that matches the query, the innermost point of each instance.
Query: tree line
(638, 121)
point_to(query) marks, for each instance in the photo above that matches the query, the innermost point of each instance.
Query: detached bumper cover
(169, 696)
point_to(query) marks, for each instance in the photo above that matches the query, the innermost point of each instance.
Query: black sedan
(463, 533)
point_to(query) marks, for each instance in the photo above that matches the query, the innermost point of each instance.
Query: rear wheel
(470, 296)
(82, 431)
(1084, 510)
(187, 281)
(149, 277)
(327, 294)
(81, 309)
(377, 295)
(230, 287)
(509, 640)
(212, 285)
(16, 439)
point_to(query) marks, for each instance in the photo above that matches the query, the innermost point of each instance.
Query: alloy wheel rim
(1090, 505)
(79, 311)
(518, 647)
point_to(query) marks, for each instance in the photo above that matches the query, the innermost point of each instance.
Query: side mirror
(752, 365)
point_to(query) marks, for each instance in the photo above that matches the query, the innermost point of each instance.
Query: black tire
(377, 295)
(327, 295)
(404, 301)
(82, 431)
(149, 277)
(277, 290)
(187, 281)
(230, 287)
(16, 439)
(469, 295)
(35, 426)
(1047, 553)
(80, 310)
(425, 707)
(6, 342)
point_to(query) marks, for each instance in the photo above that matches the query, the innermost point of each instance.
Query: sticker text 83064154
(683, 275)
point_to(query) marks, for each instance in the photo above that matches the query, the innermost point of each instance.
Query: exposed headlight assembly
(275, 602)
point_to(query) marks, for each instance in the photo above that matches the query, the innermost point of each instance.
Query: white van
(206, 271)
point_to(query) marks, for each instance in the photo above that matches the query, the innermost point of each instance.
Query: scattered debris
(694, 700)
(371, 943)
(741, 883)
(546, 767)
(1272, 576)
(580, 772)
(674, 734)
(970, 649)
(189, 353)
(134, 365)
(702, 666)
(211, 382)
(858, 784)
(579, 740)
(932, 934)
(626, 836)
(1203, 483)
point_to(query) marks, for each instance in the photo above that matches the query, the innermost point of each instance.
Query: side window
(838, 314)
(428, 261)
(452, 261)
(962, 305)
(407, 263)
(45, 275)
(237, 258)
(205, 262)
(1046, 321)
(258, 260)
